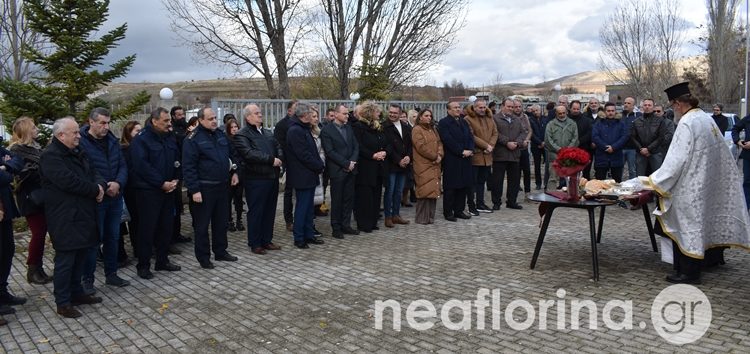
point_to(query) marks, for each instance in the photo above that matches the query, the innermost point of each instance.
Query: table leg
(601, 222)
(594, 254)
(542, 232)
(650, 226)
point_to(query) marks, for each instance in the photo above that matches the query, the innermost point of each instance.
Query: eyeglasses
(657, 111)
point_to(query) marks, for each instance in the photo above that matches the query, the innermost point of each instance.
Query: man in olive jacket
(72, 190)
(560, 132)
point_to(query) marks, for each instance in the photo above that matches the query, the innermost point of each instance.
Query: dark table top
(546, 198)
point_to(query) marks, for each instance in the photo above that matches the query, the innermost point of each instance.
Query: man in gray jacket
(506, 156)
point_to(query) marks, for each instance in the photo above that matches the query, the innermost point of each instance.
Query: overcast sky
(524, 41)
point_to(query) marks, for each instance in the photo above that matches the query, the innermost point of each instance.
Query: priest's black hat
(678, 90)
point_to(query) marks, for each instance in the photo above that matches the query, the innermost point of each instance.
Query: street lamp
(354, 96)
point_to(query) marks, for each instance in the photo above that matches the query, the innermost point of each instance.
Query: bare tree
(259, 35)
(407, 37)
(723, 46)
(344, 22)
(639, 43)
(14, 34)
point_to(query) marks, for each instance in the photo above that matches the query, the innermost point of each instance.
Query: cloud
(586, 30)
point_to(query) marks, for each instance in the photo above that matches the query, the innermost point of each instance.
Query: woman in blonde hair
(29, 193)
(371, 165)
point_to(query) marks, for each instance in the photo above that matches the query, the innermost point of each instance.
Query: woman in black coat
(371, 166)
(28, 192)
(129, 131)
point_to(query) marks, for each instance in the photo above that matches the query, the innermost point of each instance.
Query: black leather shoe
(207, 265)
(145, 274)
(450, 218)
(11, 300)
(169, 267)
(226, 257)
(173, 249)
(6, 310)
(462, 215)
(301, 245)
(68, 312)
(514, 206)
(679, 278)
(375, 228)
(231, 227)
(495, 206)
(350, 231)
(85, 300)
(314, 241)
(338, 234)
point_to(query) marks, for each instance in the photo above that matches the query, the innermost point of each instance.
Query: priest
(701, 205)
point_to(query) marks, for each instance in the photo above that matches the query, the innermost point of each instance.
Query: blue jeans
(304, 212)
(109, 213)
(746, 180)
(629, 155)
(392, 196)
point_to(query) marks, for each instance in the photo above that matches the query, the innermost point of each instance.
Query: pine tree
(68, 26)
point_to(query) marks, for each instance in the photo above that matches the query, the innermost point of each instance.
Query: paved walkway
(323, 298)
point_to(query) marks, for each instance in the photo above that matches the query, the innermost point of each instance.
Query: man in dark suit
(342, 151)
(458, 175)
(398, 137)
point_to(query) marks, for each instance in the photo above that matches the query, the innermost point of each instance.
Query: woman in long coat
(428, 155)
(371, 165)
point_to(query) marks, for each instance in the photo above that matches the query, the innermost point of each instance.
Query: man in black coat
(72, 189)
(585, 128)
(280, 133)
(399, 160)
(342, 152)
(179, 126)
(303, 167)
(458, 174)
(260, 158)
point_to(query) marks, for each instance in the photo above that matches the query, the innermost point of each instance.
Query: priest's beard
(677, 116)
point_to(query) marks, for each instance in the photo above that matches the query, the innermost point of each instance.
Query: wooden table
(551, 203)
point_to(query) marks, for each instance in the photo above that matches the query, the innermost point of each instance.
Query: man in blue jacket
(154, 176)
(208, 171)
(609, 136)
(105, 156)
(303, 167)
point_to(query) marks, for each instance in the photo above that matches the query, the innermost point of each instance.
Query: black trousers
(540, 156)
(214, 211)
(499, 169)
(342, 202)
(155, 222)
(7, 249)
(261, 195)
(601, 173)
(288, 205)
(367, 204)
(235, 196)
(454, 200)
(68, 272)
(476, 197)
(525, 166)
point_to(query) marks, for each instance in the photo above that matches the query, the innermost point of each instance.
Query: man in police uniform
(207, 170)
(155, 175)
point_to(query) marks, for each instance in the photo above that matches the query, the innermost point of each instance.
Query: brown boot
(35, 275)
(388, 221)
(68, 312)
(398, 220)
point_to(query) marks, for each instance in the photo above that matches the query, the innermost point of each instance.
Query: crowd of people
(88, 188)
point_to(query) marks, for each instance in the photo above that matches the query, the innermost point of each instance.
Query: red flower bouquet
(569, 163)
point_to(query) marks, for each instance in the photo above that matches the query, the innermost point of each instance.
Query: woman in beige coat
(428, 154)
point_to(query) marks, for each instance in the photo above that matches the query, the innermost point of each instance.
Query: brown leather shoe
(272, 247)
(85, 300)
(398, 220)
(68, 312)
(259, 250)
(388, 221)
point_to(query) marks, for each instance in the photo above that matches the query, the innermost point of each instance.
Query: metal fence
(275, 110)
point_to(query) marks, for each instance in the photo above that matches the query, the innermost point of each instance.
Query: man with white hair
(72, 190)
